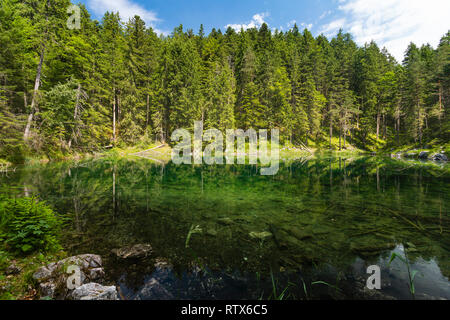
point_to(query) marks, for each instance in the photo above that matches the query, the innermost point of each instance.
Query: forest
(118, 83)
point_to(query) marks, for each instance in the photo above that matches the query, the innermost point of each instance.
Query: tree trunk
(331, 129)
(114, 116)
(345, 131)
(378, 124)
(398, 130)
(148, 107)
(75, 118)
(37, 83)
(25, 102)
(118, 109)
(419, 124)
(440, 108)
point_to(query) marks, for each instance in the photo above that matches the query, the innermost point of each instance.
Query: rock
(52, 278)
(96, 274)
(138, 251)
(153, 289)
(47, 289)
(42, 274)
(361, 292)
(161, 263)
(94, 291)
(439, 157)
(13, 269)
(423, 155)
(297, 233)
(368, 249)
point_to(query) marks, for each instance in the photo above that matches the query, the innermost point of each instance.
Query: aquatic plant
(193, 229)
(411, 273)
(274, 294)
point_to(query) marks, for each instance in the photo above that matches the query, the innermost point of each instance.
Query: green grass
(22, 286)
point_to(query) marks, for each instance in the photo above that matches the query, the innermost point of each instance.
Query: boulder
(47, 289)
(52, 278)
(439, 157)
(423, 155)
(138, 251)
(94, 291)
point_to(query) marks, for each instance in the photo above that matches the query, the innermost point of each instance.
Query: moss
(22, 285)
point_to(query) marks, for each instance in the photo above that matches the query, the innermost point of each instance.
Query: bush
(27, 225)
(15, 153)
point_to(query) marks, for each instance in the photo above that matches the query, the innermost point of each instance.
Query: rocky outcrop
(53, 278)
(137, 251)
(423, 155)
(94, 291)
(439, 157)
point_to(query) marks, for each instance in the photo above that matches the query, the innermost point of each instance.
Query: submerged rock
(52, 278)
(138, 251)
(153, 289)
(297, 233)
(368, 249)
(260, 235)
(94, 291)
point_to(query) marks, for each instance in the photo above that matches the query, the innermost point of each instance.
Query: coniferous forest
(114, 82)
(88, 180)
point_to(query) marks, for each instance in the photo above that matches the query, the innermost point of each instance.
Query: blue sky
(391, 23)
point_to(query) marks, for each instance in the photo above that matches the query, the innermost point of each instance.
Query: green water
(229, 232)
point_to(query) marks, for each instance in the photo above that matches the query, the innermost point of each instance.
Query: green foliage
(411, 273)
(28, 225)
(115, 82)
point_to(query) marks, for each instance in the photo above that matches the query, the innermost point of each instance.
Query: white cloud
(323, 15)
(393, 24)
(306, 25)
(257, 21)
(291, 24)
(127, 9)
(331, 28)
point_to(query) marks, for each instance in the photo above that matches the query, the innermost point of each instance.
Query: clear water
(225, 231)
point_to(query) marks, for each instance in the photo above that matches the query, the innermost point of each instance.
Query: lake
(227, 232)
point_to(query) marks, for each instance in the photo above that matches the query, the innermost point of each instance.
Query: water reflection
(317, 219)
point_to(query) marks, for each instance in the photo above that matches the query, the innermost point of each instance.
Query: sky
(391, 23)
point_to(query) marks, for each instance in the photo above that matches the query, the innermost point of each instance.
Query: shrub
(27, 225)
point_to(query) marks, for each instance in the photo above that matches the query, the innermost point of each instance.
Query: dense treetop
(116, 82)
